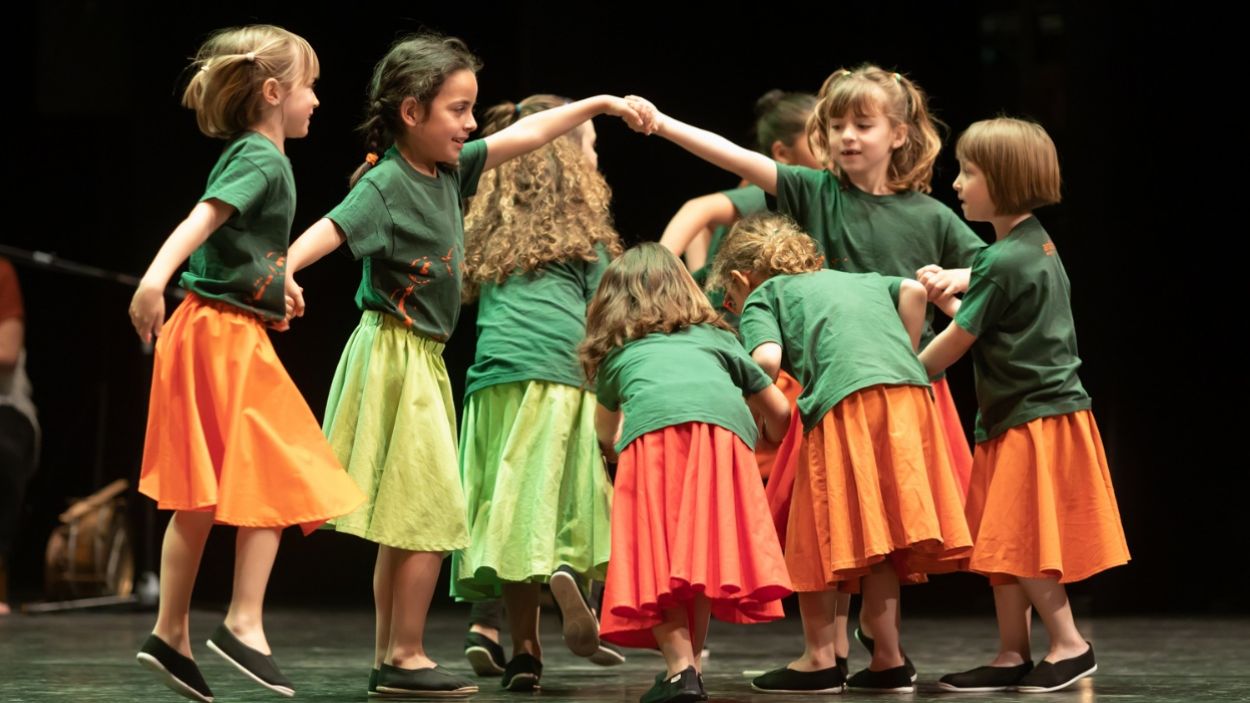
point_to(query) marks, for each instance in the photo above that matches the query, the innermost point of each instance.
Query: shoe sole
(280, 690)
(1060, 687)
(482, 662)
(174, 683)
(799, 692)
(581, 630)
(522, 682)
(976, 689)
(606, 657)
(403, 693)
(900, 689)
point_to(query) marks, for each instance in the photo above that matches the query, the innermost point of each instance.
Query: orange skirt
(1041, 503)
(689, 518)
(766, 453)
(874, 482)
(229, 433)
(956, 438)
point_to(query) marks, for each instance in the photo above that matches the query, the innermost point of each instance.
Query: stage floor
(86, 657)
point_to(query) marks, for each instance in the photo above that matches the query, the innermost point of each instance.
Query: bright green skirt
(538, 495)
(392, 424)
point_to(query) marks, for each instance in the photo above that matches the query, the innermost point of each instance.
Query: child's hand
(652, 118)
(941, 283)
(147, 310)
(619, 107)
(948, 304)
(294, 298)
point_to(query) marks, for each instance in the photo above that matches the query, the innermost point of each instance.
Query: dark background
(102, 163)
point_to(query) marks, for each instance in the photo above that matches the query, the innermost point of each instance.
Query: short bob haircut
(1018, 159)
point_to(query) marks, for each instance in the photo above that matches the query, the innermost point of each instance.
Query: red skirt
(228, 431)
(689, 518)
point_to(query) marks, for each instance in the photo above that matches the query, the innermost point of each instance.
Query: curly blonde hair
(768, 244)
(545, 206)
(646, 290)
(871, 90)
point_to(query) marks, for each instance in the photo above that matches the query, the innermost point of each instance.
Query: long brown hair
(545, 206)
(646, 290)
(870, 90)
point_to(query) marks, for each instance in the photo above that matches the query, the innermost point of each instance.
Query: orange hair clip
(372, 158)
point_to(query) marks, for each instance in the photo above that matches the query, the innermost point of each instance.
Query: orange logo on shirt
(1049, 248)
(400, 296)
(275, 264)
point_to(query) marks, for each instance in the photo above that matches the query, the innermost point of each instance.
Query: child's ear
(411, 111)
(271, 91)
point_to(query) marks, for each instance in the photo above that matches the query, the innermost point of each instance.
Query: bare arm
(608, 429)
(713, 148)
(314, 244)
(696, 215)
(912, 300)
(147, 306)
(945, 349)
(771, 405)
(535, 130)
(768, 356)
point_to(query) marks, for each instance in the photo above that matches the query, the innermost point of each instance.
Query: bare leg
(180, 562)
(701, 612)
(413, 577)
(881, 612)
(382, 600)
(1011, 606)
(673, 636)
(521, 603)
(818, 611)
(254, 552)
(1050, 599)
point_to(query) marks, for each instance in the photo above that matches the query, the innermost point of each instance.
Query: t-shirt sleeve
(365, 220)
(607, 383)
(594, 271)
(984, 303)
(472, 161)
(748, 200)
(746, 374)
(758, 323)
(894, 283)
(241, 184)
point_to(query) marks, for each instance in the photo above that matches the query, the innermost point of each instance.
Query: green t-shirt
(243, 263)
(408, 229)
(893, 235)
(699, 374)
(747, 200)
(528, 327)
(840, 331)
(1018, 306)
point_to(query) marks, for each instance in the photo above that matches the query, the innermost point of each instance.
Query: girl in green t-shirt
(868, 207)
(538, 236)
(691, 531)
(699, 226)
(230, 439)
(1041, 505)
(874, 500)
(390, 415)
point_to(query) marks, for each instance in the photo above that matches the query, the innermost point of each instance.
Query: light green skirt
(538, 494)
(392, 424)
